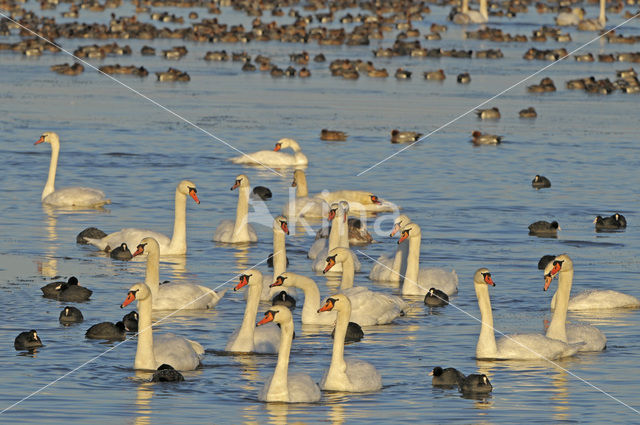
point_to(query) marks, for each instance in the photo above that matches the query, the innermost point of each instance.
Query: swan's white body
(392, 268)
(238, 231)
(595, 24)
(177, 245)
(570, 18)
(589, 337)
(181, 353)
(174, 296)
(350, 375)
(282, 387)
(275, 158)
(248, 338)
(418, 281)
(310, 315)
(599, 299)
(338, 237)
(511, 347)
(367, 307)
(303, 205)
(469, 16)
(71, 196)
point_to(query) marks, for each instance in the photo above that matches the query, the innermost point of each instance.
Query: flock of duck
(352, 308)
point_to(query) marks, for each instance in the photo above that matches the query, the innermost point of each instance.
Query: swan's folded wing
(302, 389)
(176, 351)
(363, 375)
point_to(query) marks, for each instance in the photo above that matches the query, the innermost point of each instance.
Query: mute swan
(240, 230)
(248, 338)
(595, 24)
(368, 307)
(346, 374)
(297, 388)
(570, 18)
(312, 299)
(303, 205)
(475, 384)
(446, 377)
(180, 353)
(616, 222)
(70, 315)
(417, 280)
(174, 246)
(275, 158)
(392, 268)
(70, 196)
(593, 339)
(280, 230)
(512, 347)
(337, 238)
(173, 296)
(468, 16)
(27, 340)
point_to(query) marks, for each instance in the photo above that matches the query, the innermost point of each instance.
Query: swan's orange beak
(396, 229)
(284, 227)
(131, 297)
(279, 282)
(488, 280)
(40, 140)
(278, 147)
(194, 195)
(404, 236)
(331, 261)
(547, 281)
(549, 276)
(293, 183)
(332, 214)
(375, 200)
(268, 317)
(328, 306)
(244, 280)
(139, 250)
(236, 184)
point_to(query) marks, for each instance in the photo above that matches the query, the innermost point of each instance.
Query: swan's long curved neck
(413, 263)
(241, 228)
(302, 189)
(279, 390)
(248, 326)
(602, 19)
(311, 294)
(399, 262)
(279, 254)
(145, 358)
(484, 9)
(50, 186)
(334, 234)
(465, 6)
(348, 273)
(557, 327)
(179, 239)
(338, 367)
(486, 347)
(152, 275)
(343, 226)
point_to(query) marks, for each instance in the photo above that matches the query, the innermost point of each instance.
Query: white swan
(570, 18)
(368, 307)
(595, 24)
(181, 353)
(469, 16)
(511, 347)
(346, 374)
(391, 268)
(280, 229)
(320, 245)
(297, 388)
(338, 237)
(275, 158)
(177, 245)
(418, 281)
(248, 338)
(310, 315)
(302, 204)
(590, 336)
(240, 230)
(70, 196)
(173, 296)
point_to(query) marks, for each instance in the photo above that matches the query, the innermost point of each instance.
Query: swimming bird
(529, 112)
(130, 321)
(478, 138)
(540, 182)
(275, 158)
(488, 114)
(398, 136)
(436, 298)
(333, 135)
(27, 340)
(476, 384)
(240, 230)
(70, 315)
(262, 193)
(121, 252)
(544, 229)
(448, 377)
(616, 222)
(106, 330)
(166, 373)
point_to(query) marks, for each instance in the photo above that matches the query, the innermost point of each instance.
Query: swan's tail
(215, 296)
(199, 349)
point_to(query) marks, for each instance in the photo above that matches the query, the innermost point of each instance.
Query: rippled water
(474, 206)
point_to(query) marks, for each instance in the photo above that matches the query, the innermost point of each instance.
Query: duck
(281, 386)
(173, 296)
(349, 375)
(240, 230)
(121, 252)
(475, 384)
(418, 280)
(488, 114)
(333, 135)
(463, 78)
(130, 321)
(390, 268)
(27, 340)
(540, 182)
(398, 136)
(436, 298)
(467, 16)
(303, 205)
(177, 245)
(448, 377)
(435, 75)
(615, 222)
(544, 229)
(275, 158)
(247, 338)
(106, 330)
(590, 337)
(166, 373)
(368, 307)
(70, 315)
(154, 351)
(77, 197)
(478, 138)
(529, 112)
(402, 74)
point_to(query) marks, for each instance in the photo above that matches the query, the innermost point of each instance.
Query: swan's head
(375, 200)
(286, 143)
(281, 280)
(188, 188)
(338, 302)
(333, 209)
(241, 181)
(278, 314)
(336, 255)
(298, 177)
(148, 245)
(410, 230)
(48, 137)
(344, 209)
(139, 291)
(561, 263)
(280, 223)
(250, 277)
(399, 222)
(483, 277)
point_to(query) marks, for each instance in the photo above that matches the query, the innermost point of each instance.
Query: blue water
(473, 204)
